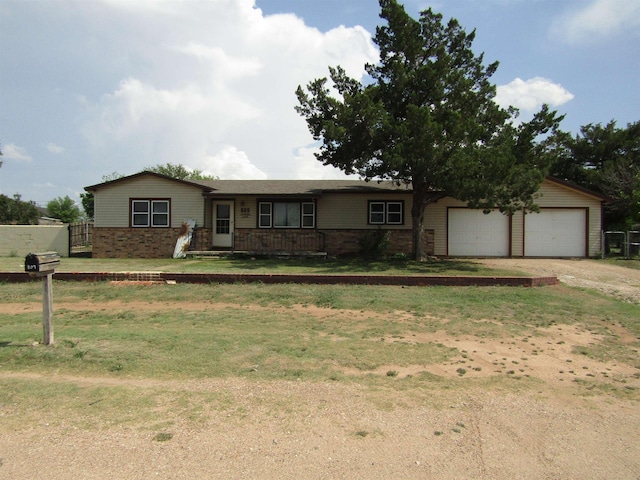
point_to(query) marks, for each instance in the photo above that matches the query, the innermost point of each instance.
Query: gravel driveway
(614, 280)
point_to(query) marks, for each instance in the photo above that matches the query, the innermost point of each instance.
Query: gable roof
(270, 187)
(93, 188)
(215, 188)
(301, 187)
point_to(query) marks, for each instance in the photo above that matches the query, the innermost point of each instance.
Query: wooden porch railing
(279, 241)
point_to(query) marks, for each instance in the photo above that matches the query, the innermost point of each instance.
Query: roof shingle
(299, 187)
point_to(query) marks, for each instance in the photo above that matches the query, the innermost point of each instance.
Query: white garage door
(555, 233)
(472, 233)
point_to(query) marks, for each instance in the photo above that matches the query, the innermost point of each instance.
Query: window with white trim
(149, 213)
(286, 215)
(264, 216)
(308, 215)
(386, 213)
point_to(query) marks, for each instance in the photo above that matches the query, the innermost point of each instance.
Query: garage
(556, 232)
(472, 233)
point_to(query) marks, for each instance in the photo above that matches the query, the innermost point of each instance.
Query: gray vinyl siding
(333, 211)
(551, 195)
(246, 220)
(351, 211)
(112, 202)
(435, 218)
(559, 196)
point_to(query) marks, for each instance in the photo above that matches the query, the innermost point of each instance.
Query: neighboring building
(45, 219)
(49, 221)
(142, 216)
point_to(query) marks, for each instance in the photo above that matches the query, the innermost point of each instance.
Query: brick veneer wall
(278, 240)
(344, 242)
(134, 242)
(201, 239)
(334, 242)
(160, 242)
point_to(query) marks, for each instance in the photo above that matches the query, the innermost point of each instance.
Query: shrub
(374, 243)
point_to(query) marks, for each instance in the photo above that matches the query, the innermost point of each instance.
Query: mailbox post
(44, 265)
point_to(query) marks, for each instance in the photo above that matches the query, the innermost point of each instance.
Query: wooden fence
(80, 237)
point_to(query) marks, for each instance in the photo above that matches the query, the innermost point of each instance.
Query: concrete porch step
(228, 253)
(213, 253)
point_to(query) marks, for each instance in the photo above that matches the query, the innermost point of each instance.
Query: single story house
(144, 214)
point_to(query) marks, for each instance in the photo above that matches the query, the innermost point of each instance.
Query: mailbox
(41, 263)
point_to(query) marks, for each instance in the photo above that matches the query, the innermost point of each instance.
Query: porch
(289, 242)
(309, 243)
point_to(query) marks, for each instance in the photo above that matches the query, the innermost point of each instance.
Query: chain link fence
(621, 244)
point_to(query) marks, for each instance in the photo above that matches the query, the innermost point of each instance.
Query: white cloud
(530, 95)
(138, 108)
(230, 164)
(598, 19)
(44, 185)
(225, 65)
(13, 152)
(55, 149)
(308, 166)
(217, 91)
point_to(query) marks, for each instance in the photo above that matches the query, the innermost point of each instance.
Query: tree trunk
(422, 196)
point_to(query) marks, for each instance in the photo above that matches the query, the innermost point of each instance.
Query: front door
(223, 224)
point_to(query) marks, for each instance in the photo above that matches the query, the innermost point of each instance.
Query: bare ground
(613, 280)
(552, 429)
(338, 431)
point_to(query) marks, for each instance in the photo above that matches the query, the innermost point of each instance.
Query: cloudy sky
(91, 87)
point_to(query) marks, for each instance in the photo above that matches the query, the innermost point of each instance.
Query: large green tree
(605, 159)
(15, 211)
(426, 116)
(64, 209)
(88, 205)
(179, 171)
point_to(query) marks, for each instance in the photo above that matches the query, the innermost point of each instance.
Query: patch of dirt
(613, 280)
(549, 356)
(331, 430)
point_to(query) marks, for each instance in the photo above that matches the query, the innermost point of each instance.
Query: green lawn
(242, 264)
(193, 331)
(624, 262)
(126, 340)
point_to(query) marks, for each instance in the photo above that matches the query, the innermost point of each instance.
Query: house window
(376, 212)
(386, 213)
(149, 213)
(223, 219)
(308, 215)
(264, 220)
(287, 215)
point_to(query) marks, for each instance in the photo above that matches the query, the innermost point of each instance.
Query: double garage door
(471, 233)
(554, 232)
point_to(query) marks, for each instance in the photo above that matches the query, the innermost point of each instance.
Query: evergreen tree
(427, 117)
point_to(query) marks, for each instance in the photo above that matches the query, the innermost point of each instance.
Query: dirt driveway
(613, 280)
